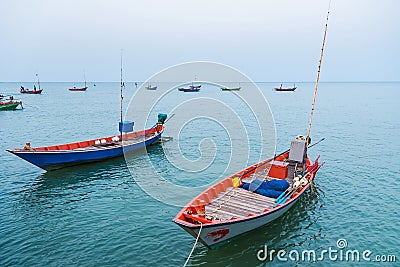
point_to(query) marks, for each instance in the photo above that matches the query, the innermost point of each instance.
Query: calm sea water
(97, 215)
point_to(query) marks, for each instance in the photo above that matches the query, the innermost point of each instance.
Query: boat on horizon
(35, 91)
(78, 89)
(84, 88)
(190, 89)
(286, 89)
(149, 87)
(231, 89)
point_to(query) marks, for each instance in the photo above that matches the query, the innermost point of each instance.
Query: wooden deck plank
(237, 205)
(250, 204)
(242, 200)
(236, 212)
(249, 194)
(247, 199)
(221, 213)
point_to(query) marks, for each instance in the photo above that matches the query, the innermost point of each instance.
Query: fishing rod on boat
(170, 117)
(322, 139)
(318, 75)
(121, 100)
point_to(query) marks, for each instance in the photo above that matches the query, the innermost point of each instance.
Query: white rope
(195, 243)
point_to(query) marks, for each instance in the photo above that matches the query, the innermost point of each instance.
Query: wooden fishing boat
(231, 89)
(32, 92)
(149, 87)
(9, 103)
(287, 89)
(84, 88)
(78, 89)
(64, 155)
(227, 209)
(188, 89)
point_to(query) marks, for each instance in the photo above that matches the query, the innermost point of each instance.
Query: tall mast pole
(84, 77)
(318, 75)
(121, 96)
(38, 80)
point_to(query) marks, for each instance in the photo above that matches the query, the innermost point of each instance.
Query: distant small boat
(195, 86)
(78, 89)
(283, 89)
(190, 89)
(81, 88)
(231, 89)
(149, 87)
(9, 103)
(31, 92)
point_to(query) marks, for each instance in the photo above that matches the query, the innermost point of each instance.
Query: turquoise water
(97, 215)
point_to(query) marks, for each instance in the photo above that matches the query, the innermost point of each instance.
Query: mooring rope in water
(195, 243)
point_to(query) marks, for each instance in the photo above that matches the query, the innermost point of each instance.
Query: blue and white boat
(64, 155)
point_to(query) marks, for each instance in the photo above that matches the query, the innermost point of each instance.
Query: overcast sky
(268, 40)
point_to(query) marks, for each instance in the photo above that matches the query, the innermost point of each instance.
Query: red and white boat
(31, 92)
(35, 91)
(84, 88)
(226, 209)
(286, 89)
(78, 89)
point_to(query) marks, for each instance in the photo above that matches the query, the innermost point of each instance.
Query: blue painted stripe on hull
(59, 159)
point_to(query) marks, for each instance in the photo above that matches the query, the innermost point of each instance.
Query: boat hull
(78, 89)
(189, 89)
(31, 92)
(231, 89)
(56, 159)
(216, 234)
(285, 89)
(12, 106)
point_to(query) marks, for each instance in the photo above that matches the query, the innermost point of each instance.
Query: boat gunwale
(93, 147)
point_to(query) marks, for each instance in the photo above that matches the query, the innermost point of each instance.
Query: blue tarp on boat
(273, 188)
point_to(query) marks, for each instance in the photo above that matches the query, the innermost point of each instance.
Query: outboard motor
(296, 157)
(161, 118)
